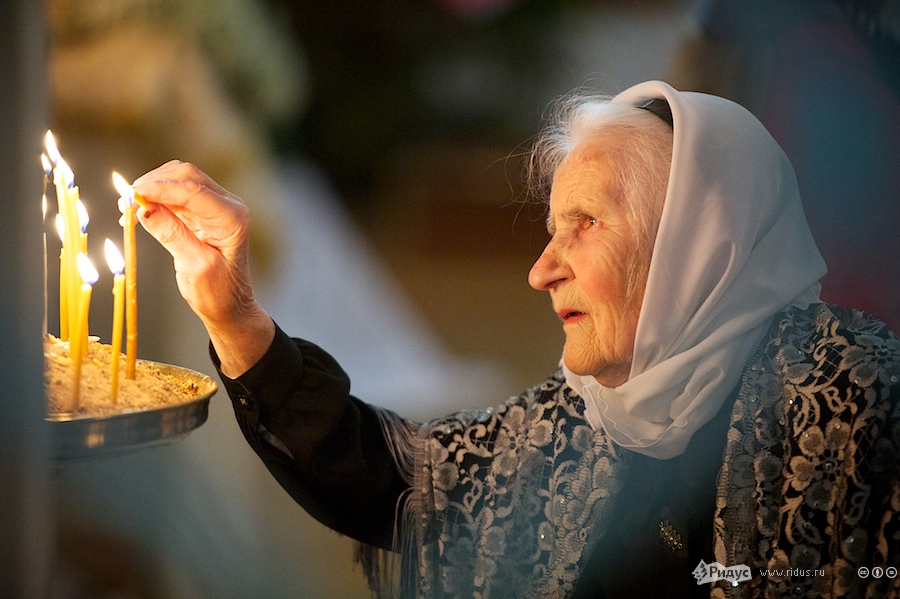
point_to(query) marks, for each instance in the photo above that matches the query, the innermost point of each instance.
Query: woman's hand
(206, 229)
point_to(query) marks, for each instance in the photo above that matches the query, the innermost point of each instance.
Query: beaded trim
(670, 536)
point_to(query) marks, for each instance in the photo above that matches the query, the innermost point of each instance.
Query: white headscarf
(733, 249)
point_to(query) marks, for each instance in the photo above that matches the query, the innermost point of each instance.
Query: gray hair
(639, 142)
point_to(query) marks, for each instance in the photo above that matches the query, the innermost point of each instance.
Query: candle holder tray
(77, 436)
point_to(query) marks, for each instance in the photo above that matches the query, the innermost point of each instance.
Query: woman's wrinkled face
(585, 266)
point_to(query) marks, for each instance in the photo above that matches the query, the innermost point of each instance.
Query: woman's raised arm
(206, 229)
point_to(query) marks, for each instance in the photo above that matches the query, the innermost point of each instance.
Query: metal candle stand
(79, 437)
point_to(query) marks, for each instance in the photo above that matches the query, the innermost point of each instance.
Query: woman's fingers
(214, 215)
(211, 284)
(180, 184)
(205, 228)
(174, 235)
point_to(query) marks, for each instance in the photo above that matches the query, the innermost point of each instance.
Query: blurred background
(380, 146)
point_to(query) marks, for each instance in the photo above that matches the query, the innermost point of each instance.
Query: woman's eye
(592, 221)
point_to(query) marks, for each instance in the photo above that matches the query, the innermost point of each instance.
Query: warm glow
(68, 176)
(48, 166)
(61, 227)
(56, 159)
(89, 274)
(83, 218)
(126, 191)
(52, 150)
(114, 258)
(44, 207)
(122, 186)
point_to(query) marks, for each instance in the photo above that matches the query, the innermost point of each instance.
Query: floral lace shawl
(508, 502)
(810, 479)
(504, 501)
(517, 495)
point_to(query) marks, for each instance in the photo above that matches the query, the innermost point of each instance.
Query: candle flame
(86, 269)
(114, 258)
(61, 227)
(123, 187)
(57, 160)
(52, 150)
(83, 218)
(48, 166)
(67, 174)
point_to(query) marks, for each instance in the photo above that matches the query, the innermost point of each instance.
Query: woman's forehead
(587, 171)
(597, 149)
(584, 185)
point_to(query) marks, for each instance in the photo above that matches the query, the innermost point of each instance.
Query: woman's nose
(549, 269)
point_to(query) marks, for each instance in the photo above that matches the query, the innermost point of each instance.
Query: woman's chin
(606, 373)
(576, 363)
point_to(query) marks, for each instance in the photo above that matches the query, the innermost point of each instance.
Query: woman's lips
(568, 315)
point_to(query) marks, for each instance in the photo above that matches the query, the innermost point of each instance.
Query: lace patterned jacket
(510, 502)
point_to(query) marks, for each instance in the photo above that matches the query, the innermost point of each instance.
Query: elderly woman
(709, 411)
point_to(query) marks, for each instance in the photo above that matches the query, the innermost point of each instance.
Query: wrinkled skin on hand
(206, 229)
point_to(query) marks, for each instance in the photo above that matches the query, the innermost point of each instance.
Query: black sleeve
(341, 470)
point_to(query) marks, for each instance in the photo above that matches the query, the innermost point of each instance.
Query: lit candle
(64, 265)
(73, 240)
(44, 232)
(116, 266)
(78, 341)
(48, 174)
(48, 170)
(83, 221)
(128, 222)
(52, 150)
(63, 280)
(67, 197)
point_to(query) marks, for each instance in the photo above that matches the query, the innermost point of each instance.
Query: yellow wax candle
(79, 338)
(44, 235)
(130, 293)
(73, 239)
(48, 175)
(65, 264)
(83, 220)
(116, 266)
(63, 281)
(67, 195)
(73, 236)
(128, 222)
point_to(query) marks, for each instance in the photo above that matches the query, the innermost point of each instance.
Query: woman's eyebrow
(551, 223)
(573, 215)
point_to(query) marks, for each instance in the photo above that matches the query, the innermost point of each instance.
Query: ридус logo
(707, 573)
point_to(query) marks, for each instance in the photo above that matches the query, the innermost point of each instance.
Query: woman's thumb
(170, 232)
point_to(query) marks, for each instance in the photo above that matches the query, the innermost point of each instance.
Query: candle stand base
(77, 436)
